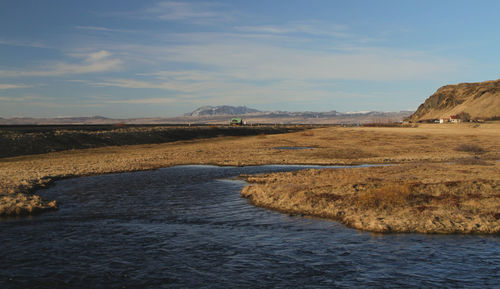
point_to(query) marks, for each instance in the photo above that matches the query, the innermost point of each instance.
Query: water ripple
(188, 227)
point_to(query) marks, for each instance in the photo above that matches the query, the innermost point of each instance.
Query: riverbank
(423, 198)
(20, 176)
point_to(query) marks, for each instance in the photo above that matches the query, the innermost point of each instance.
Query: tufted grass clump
(470, 148)
(387, 197)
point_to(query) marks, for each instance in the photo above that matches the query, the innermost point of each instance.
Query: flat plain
(439, 179)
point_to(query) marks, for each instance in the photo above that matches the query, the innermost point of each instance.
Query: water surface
(188, 227)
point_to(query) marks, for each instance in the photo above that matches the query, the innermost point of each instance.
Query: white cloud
(197, 12)
(185, 75)
(264, 29)
(220, 90)
(102, 29)
(312, 27)
(95, 28)
(9, 98)
(25, 98)
(12, 86)
(266, 64)
(96, 62)
(259, 61)
(97, 56)
(152, 100)
(179, 86)
(24, 43)
(273, 54)
(239, 71)
(131, 83)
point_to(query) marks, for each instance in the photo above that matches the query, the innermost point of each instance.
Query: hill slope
(481, 100)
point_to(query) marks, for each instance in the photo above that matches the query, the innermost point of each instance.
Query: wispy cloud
(199, 13)
(102, 29)
(312, 27)
(95, 28)
(267, 61)
(195, 12)
(293, 62)
(24, 43)
(176, 85)
(24, 98)
(151, 100)
(221, 89)
(184, 75)
(96, 62)
(234, 71)
(12, 86)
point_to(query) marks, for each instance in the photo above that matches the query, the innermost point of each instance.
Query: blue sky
(165, 58)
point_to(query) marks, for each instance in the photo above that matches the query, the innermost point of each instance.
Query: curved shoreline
(441, 199)
(21, 176)
(28, 203)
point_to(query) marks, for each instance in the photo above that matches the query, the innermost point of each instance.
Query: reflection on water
(188, 227)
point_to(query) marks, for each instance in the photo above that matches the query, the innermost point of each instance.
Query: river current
(188, 227)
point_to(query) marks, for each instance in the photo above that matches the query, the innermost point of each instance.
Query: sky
(128, 59)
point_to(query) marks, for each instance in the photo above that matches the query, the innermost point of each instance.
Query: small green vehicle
(236, 121)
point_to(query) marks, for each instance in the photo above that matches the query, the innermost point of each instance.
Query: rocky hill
(480, 100)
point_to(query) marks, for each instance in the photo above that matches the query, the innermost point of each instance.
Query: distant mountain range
(221, 110)
(222, 114)
(213, 114)
(226, 110)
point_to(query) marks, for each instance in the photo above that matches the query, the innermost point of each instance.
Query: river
(188, 227)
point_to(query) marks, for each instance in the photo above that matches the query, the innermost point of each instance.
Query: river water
(187, 226)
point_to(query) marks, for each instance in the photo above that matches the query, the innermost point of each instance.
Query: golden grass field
(446, 171)
(425, 198)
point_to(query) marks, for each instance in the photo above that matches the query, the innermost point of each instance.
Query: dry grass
(438, 198)
(342, 153)
(20, 176)
(387, 197)
(24, 204)
(473, 161)
(307, 133)
(470, 148)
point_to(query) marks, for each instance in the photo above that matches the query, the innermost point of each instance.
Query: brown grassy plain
(426, 149)
(424, 198)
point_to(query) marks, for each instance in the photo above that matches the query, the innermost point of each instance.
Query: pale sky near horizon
(165, 58)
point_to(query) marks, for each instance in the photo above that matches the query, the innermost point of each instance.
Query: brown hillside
(481, 100)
